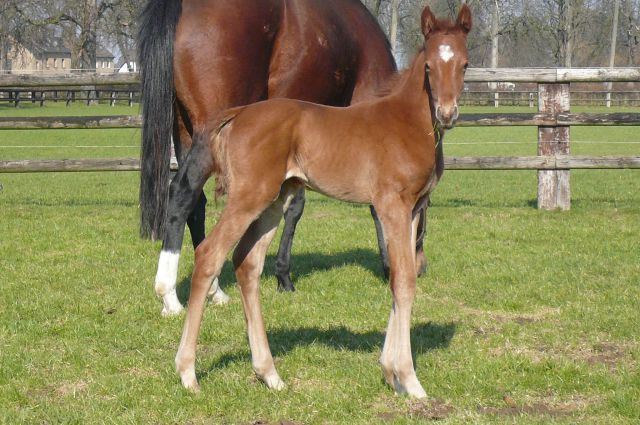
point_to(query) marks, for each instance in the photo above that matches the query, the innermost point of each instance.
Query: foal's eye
(466, 65)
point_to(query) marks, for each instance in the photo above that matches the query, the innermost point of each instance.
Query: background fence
(553, 119)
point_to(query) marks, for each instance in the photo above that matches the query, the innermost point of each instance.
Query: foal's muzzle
(447, 116)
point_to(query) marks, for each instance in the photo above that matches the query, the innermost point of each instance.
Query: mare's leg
(382, 245)
(242, 208)
(184, 192)
(421, 232)
(283, 259)
(248, 260)
(196, 220)
(396, 360)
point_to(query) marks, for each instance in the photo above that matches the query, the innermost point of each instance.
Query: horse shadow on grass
(425, 337)
(303, 265)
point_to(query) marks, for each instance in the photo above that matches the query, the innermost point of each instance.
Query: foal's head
(446, 61)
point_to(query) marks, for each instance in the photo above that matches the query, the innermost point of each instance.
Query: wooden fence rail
(557, 162)
(466, 120)
(474, 75)
(553, 120)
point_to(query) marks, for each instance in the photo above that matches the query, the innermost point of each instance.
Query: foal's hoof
(191, 384)
(412, 388)
(273, 382)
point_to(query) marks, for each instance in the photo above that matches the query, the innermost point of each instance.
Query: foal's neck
(409, 87)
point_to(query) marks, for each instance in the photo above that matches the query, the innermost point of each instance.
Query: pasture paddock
(538, 306)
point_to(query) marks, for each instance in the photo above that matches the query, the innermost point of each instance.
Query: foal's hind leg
(248, 260)
(283, 259)
(240, 212)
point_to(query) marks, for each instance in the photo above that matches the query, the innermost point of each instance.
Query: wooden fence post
(553, 186)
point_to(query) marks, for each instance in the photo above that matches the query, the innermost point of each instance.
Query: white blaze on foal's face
(446, 53)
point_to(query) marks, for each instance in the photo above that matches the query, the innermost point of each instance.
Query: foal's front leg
(396, 359)
(421, 262)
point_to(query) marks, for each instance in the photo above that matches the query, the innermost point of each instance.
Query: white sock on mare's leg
(165, 284)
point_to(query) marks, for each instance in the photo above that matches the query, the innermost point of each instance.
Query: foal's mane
(388, 86)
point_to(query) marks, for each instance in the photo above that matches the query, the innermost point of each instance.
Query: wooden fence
(553, 121)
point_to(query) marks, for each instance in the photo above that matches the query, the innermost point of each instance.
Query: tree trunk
(88, 36)
(393, 29)
(495, 35)
(612, 52)
(630, 30)
(568, 50)
(377, 4)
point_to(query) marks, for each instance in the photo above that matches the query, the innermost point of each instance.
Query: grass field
(524, 316)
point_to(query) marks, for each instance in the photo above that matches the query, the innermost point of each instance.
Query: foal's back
(342, 152)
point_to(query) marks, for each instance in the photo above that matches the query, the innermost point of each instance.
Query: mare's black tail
(155, 53)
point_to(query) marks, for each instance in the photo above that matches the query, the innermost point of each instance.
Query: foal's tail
(219, 146)
(155, 51)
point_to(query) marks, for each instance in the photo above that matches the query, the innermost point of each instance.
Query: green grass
(540, 308)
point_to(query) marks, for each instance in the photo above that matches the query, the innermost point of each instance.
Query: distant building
(51, 58)
(104, 61)
(131, 65)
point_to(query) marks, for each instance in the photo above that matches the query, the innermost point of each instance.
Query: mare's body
(381, 152)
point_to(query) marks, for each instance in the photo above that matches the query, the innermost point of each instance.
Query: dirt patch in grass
(608, 354)
(71, 388)
(432, 409)
(428, 410)
(280, 422)
(547, 406)
(604, 353)
(537, 409)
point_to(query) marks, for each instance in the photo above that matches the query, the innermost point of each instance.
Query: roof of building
(56, 47)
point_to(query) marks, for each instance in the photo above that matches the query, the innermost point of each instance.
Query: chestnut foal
(380, 152)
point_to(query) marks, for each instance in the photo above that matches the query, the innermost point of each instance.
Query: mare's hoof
(171, 312)
(171, 305)
(219, 297)
(386, 273)
(285, 284)
(422, 266)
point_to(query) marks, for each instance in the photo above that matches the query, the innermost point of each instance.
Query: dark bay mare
(200, 57)
(381, 152)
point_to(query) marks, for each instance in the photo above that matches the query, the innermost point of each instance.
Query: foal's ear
(464, 18)
(428, 22)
